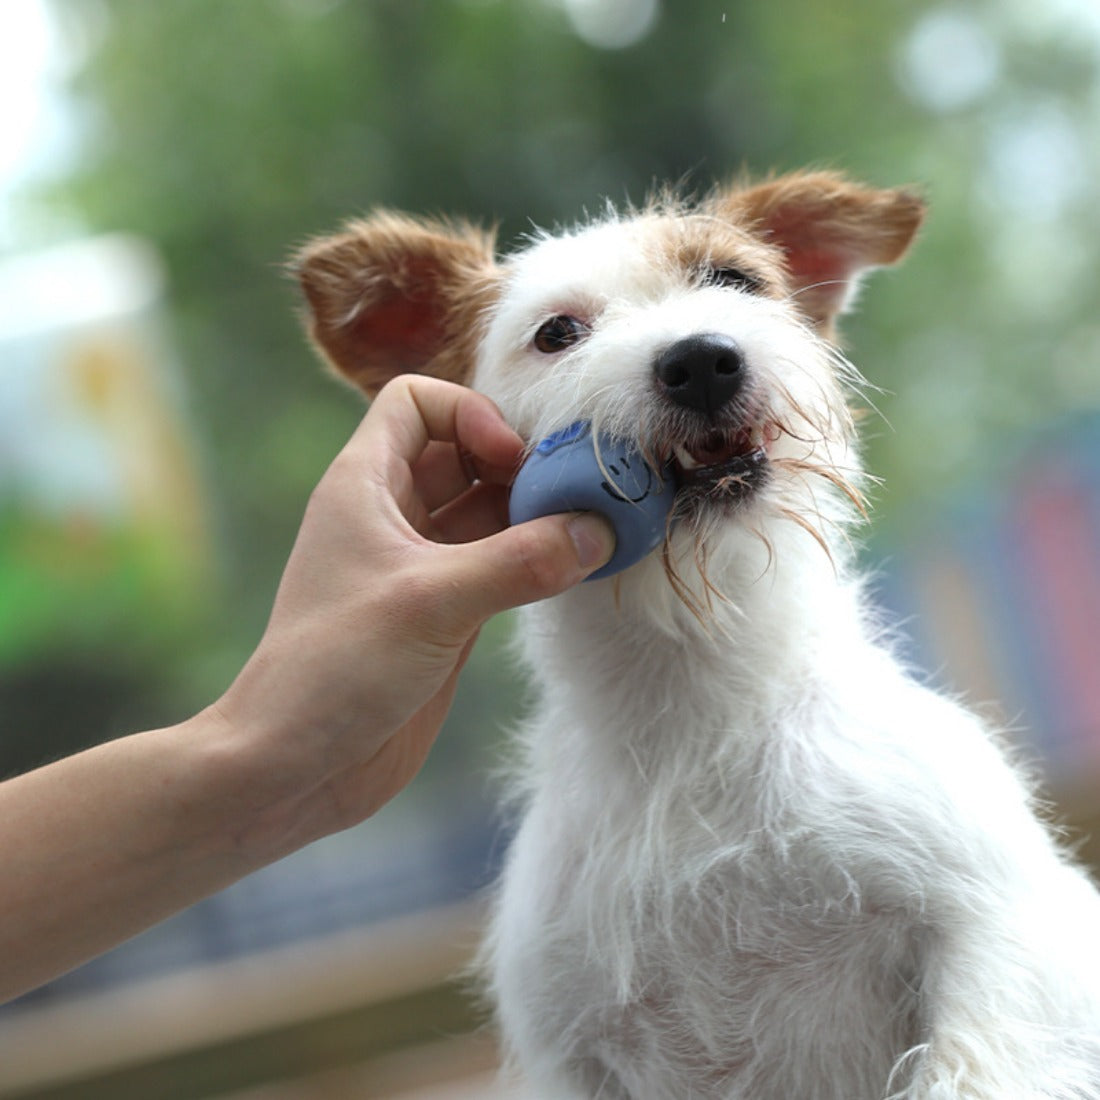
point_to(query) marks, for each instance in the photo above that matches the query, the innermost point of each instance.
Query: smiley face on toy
(575, 471)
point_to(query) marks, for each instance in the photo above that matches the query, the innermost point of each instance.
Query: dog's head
(703, 332)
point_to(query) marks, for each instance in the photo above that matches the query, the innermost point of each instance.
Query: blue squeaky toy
(564, 474)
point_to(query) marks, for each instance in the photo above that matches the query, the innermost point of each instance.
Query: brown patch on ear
(829, 229)
(394, 294)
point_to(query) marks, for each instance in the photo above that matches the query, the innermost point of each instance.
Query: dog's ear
(830, 230)
(392, 294)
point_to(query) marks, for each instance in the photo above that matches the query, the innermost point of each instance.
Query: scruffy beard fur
(754, 857)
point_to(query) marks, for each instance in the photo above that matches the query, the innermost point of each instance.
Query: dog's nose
(703, 372)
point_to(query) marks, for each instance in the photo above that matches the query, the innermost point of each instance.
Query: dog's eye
(733, 277)
(559, 333)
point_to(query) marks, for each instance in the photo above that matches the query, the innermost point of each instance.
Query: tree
(228, 133)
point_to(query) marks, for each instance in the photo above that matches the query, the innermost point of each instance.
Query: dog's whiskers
(801, 521)
(832, 475)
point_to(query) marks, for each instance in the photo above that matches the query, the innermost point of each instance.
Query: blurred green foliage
(228, 133)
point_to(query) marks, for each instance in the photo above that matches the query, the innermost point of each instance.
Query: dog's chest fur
(677, 878)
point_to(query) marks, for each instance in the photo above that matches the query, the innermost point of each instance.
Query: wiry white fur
(756, 859)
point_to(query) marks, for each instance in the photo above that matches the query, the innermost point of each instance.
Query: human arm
(398, 562)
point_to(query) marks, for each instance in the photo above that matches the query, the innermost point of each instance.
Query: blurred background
(162, 422)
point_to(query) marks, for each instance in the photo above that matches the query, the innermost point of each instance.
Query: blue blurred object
(574, 471)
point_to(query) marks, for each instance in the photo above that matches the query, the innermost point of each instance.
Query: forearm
(104, 844)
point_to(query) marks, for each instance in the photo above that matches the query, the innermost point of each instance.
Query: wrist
(258, 803)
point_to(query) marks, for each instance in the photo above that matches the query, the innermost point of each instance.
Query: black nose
(703, 372)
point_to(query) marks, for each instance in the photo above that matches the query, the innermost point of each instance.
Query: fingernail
(593, 538)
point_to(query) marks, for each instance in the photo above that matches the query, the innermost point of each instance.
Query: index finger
(412, 411)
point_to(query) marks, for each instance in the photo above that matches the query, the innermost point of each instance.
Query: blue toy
(564, 474)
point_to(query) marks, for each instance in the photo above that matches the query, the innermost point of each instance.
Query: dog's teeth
(685, 459)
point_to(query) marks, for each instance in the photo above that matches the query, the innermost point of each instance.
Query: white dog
(756, 859)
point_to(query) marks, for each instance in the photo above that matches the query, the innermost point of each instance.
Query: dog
(755, 857)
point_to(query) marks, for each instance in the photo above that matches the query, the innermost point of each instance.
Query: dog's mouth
(725, 465)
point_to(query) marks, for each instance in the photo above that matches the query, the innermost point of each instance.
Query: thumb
(529, 562)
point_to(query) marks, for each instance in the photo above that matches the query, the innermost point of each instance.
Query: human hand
(403, 554)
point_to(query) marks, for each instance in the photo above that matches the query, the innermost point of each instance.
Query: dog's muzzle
(720, 447)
